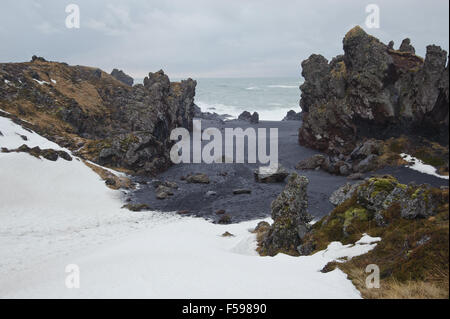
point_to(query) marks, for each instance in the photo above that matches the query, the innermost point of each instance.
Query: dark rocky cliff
(373, 91)
(96, 115)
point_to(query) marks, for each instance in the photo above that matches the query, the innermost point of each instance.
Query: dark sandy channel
(194, 198)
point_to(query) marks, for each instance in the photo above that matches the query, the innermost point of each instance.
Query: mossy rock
(358, 213)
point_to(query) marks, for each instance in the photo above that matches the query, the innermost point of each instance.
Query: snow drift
(53, 214)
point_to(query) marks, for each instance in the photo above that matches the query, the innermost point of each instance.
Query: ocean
(272, 98)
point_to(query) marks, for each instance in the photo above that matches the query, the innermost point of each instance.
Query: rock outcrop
(247, 116)
(364, 158)
(122, 77)
(291, 219)
(407, 47)
(97, 116)
(378, 198)
(409, 224)
(373, 91)
(293, 116)
(375, 203)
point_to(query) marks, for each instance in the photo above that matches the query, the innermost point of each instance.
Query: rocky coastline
(100, 117)
(363, 115)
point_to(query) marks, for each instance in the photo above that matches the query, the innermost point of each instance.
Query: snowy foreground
(53, 214)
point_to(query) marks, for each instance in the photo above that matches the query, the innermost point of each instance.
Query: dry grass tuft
(393, 289)
(111, 180)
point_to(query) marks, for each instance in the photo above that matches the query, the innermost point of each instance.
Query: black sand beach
(228, 177)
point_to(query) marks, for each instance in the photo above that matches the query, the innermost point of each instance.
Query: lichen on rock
(291, 219)
(373, 91)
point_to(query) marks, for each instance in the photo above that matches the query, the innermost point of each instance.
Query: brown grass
(413, 255)
(119, 182)
(393, 289)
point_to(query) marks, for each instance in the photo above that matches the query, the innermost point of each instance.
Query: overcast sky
(208, 38)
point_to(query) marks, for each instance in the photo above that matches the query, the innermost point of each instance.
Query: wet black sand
(193, 198)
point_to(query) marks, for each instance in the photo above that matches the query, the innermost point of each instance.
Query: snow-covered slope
(53, 214)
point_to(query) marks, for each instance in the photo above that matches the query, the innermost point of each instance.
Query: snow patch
(366, 239)
(41, 82)
(417, 165)
(12, 137)
(57, 213)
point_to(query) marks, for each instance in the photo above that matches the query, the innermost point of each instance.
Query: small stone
(163, 192)
(165, 189)
(110, 182)
(171, 185)
(221, 212)
(50, 155)
(270, 174)
(183, 212)
(227, 234)
(242, 191)
(162, 195)
(329, 267)
(198, 179)
(356, 176)
(313, 162)
(65, 156)
(225, 219)
(136, 207)
(156, 183)
(211, 193)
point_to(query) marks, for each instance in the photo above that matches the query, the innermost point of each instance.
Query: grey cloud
(208, 37)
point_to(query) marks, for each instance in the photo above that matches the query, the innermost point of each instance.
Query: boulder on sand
(198, 179)
(163, 192)
(271, 174)
(242, 191)
(312, 162)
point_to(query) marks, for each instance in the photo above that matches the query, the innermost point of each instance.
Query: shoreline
(193, 200)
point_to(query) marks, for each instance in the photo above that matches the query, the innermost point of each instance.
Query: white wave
(251, 88)
(283, 86)
(274, 113)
